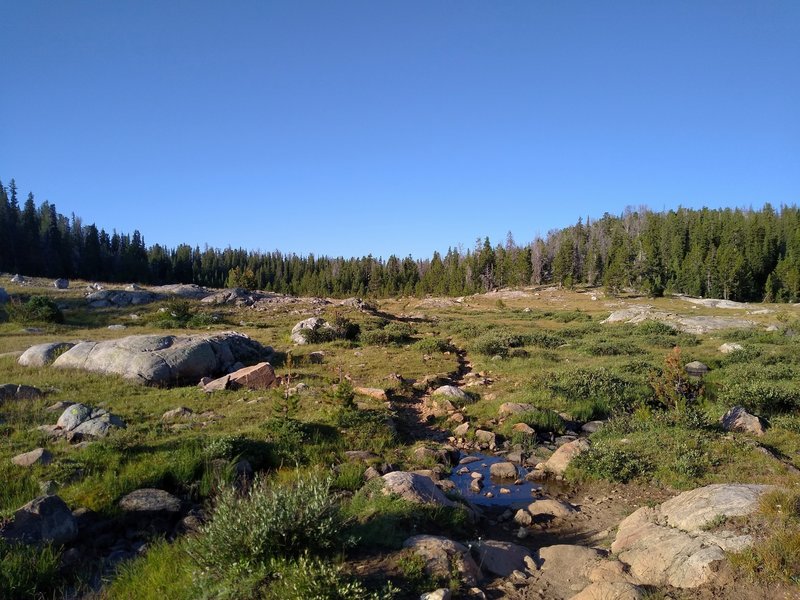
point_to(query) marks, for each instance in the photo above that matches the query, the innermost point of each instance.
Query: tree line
(727, 253)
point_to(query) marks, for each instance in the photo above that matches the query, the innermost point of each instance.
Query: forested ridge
(727, 253)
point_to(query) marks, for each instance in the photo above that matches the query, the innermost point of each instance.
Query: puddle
(518, 496)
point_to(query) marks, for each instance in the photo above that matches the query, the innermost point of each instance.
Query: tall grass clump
(27, 571)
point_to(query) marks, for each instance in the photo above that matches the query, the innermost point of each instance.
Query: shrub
(612, 348)
(620, 393)
(539, 420)
(497, 343)
(431, 345)
(271, 520)
(392, 333)
(38, 309)
(614, 462)
(542, 339)
(648, 328)
(674, 388)
(765, 397)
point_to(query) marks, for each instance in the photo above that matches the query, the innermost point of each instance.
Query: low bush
(37, 309)
(762, 397)
(620, 393)
(271, 521)
(612, 461)
(540, 420)
(430, 345)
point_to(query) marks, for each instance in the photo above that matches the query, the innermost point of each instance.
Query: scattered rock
(45, 519)
(376, 393)
(150, 500)
(461, 430)
(730, 347)
(500, 558)
(524, 429)
(311, 324)
(61, 284)
(176, 414)
(361, 455)
(18, 279)
(257, 377)
(486, 438)
(415, 488)
(443, 557)
(696, 368)
(163, 359)
(316, 358)
(550, 507)
(668, 546)
(42, 355)
(738, 419)
(12, 391)
(451, 391)
(40, 456)
(513, 408)
(503, 470)
(557, 464)
(440, 594)
(85, 420)
(592, 426)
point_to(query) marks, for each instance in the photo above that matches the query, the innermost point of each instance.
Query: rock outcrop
(312, 324)
(668, 545)
(42, 355)
(80, 419)
(12, 391)
(444, 557)
(415, 488)
(557, 464)
(163, 359)
(257, 377)
(738, 419)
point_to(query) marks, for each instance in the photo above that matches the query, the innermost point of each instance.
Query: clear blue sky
(348, 128)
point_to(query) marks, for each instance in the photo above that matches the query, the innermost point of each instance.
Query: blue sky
(349, 128)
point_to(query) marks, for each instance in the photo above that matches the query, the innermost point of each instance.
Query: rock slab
(443, 557)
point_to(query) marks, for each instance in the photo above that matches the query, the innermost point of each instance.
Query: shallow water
(518, 496)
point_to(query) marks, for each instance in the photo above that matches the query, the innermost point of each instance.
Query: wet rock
(83, 420)
(503, 470)
(523, 517)
(738, 419)
(443, 557)
(500, 558)
(668, 545)
(40, 456)
(163, 359)
(45, 519)
(42, 355)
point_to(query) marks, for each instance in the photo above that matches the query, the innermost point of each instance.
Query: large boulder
(257, 377)
(559, 461)
(669, 544)
(312, 324)
(164, 359)
(120, 298)
(85, 420)
(738, 419)
(444, 557)
(45, 519)
(730, 347)
(414, 488)
(501, 558)
(188, 291)
(42, 355)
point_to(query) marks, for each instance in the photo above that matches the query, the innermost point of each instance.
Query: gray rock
(550, 507)
(730, 347)
(738, 419)
(451, 391)
(189, 291)
(42, 355)
(3, 296)
(440, 594)
(45, 519)
(311, 324)
(163, 359)
(61, 284)
(40, 456)
(669, 546)
(443, 557)
(85, 420)
(608, 590)
(176, 414)
(17, 279)
(500, 558)
(461, 430)
(486, 438)
(513, 408)
(150, 500)
(415, 488)
(12, 391)
(696, 368)
(503, 470)
(592, 426)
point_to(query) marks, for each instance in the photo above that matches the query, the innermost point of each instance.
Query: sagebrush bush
(271, 520)
(619, 392)
(430, 345)
(310, 578)
(612, 461)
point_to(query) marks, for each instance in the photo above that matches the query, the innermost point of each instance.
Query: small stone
(503, 470)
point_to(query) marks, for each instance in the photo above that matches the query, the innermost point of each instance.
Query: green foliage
(431, 345)
(349, 476)
(164, 571)
(763, 397)
(27, 570)
(539, 419)
(37, 310)
(392, 333)
(271, 520)
(620, 393)
(344, 394)
(179, 313)
(673, 387)
(612, 461)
